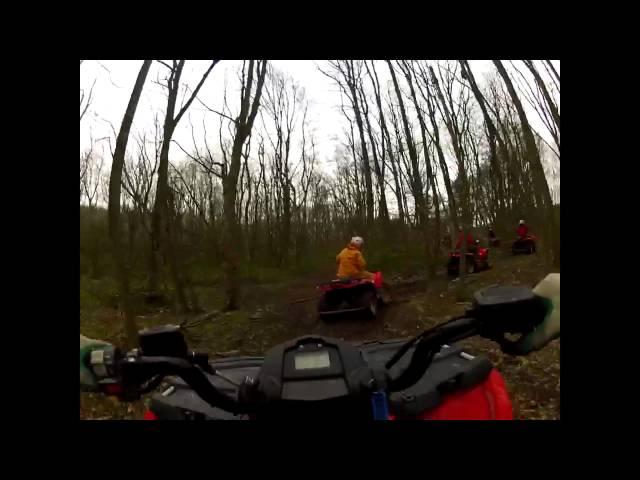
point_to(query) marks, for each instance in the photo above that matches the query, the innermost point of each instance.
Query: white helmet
(521, 222)
(357, 241)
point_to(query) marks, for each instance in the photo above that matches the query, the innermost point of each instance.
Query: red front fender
(377, 279)
(487, 401)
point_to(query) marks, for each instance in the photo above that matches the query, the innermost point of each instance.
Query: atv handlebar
(133, 370)
(496, 311)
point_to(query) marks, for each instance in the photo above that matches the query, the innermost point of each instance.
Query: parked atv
(477, 261)
(524, 246)
(359, 295)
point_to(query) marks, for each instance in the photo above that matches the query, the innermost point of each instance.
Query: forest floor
(275, 312)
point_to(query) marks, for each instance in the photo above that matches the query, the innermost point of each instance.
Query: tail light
(149, 415)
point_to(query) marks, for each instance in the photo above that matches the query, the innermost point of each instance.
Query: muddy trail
(278, 312)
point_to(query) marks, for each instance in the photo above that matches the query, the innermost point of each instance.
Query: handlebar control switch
(163, 341)
(102, 362)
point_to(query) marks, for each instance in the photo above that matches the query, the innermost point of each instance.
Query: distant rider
(522, 230)
(470, 244)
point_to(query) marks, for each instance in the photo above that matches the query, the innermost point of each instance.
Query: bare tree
(415, 179)
(85, 163)
(243, 124)
(348, 75)
(114, 204)
(162, 234)
(397, 159)
(85, 99)
(283, 100)
(378, 166)
(91, 165)
(427, 95)
(547, 110)
(307, 176)
(385, 141)
(493, 137)
(409, 74)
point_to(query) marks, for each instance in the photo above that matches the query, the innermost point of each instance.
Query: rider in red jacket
(461, 238)
(522, 230)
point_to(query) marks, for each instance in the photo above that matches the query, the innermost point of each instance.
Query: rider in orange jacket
(351, 263)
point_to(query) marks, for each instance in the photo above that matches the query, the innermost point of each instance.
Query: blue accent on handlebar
(380, 405)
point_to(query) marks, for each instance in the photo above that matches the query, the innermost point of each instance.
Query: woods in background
(427, 148)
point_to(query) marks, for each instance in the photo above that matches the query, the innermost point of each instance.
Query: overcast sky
(114, 81)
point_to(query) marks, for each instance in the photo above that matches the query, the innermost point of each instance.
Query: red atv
(477, 261)
(359, 295)
(525, 245)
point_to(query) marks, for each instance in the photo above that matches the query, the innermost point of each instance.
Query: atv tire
(325, 305)
(471, 266)
(385, 294)
(369, 301)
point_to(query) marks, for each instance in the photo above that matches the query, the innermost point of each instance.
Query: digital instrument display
(310, 360)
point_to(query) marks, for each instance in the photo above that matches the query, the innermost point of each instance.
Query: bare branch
(86, 105)
(199, 161)
(215, 111)
(109, 72)
(196, 90)
(169, 67)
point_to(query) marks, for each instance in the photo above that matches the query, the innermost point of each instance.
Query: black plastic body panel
(451, 370)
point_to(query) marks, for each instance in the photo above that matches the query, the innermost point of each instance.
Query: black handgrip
(508, 309)
(521, 320)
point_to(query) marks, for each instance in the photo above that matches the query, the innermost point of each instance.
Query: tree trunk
(115, 182)
(163, 236)
(232, 236)
(162, 221)
(232, 233)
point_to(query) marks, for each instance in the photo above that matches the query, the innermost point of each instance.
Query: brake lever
(428, 345)
(406, 346)
(188, 370)
(202, 361)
